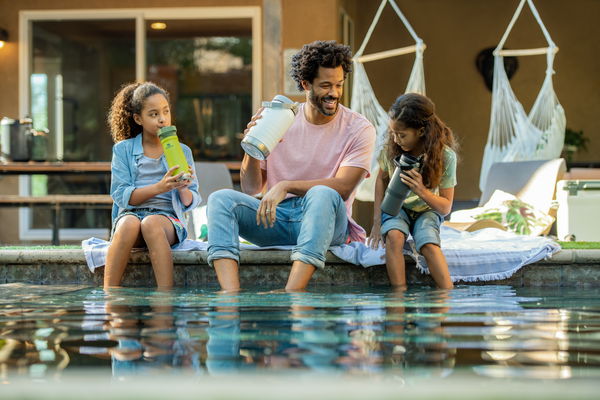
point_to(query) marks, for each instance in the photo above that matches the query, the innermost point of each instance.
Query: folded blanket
(489, 254)
(484, 255)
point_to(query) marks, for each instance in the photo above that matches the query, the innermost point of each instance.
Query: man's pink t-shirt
(310, 152)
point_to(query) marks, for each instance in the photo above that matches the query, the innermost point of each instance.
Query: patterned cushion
(514, 214)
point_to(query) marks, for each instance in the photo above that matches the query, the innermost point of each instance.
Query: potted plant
(574, 141)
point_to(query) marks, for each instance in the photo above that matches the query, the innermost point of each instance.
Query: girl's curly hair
(128, 101)
(328, 54)
(417, 111)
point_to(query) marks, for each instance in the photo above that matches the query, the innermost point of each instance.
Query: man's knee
(322, 193)
(220, 197)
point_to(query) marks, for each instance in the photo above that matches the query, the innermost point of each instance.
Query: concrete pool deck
(569, 268)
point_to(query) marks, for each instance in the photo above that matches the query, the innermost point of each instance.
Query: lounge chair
(211, 177)
(533, 182)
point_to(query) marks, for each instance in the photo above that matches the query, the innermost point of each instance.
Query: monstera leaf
(517, 216)
(520, 217)
(492, 213)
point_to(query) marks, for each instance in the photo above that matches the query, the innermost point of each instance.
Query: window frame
(140, 16)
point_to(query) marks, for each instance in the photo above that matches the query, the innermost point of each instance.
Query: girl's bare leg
(127, 235)
(436, 262)
(159, 235)
(394, 257)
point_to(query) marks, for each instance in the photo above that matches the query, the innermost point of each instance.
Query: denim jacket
(124, 170)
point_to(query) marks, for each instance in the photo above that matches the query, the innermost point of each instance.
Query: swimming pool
(415, 335)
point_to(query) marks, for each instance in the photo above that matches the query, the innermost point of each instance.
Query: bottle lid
(407, 160)
(281, 101)
(167, 131)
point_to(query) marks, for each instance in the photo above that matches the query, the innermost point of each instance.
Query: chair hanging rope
(364, 100)
(513, 134)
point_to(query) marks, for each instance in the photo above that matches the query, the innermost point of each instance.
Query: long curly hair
(416, 111)
(128, 102)
(328, 54)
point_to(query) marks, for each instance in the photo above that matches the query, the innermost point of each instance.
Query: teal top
(413, 202)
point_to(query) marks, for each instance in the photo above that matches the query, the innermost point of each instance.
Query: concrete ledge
(142, 257)
(567, 268)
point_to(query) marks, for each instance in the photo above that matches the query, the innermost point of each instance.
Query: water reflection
(148, 339)
(416, 333)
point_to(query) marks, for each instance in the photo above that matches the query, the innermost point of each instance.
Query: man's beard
(318, 103)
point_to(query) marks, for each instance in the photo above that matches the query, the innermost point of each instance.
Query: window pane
(85, 63)
(39, 100)
(207, 68)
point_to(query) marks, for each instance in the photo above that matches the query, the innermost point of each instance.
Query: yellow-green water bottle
(173, 151)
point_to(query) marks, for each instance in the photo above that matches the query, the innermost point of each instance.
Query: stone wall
(568, 268)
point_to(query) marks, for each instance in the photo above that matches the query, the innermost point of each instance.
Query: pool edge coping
(77, 256)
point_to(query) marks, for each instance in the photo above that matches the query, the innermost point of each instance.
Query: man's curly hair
(328, 54)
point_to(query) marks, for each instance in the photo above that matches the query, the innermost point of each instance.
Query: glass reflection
(207, 68)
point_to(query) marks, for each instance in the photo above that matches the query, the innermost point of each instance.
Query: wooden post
(55, 222)
(272, 52)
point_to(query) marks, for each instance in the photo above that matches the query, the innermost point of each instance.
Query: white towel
(484, 255)
(356, 253)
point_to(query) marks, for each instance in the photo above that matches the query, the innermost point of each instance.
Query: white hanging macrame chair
(364, 100)
(514, 135)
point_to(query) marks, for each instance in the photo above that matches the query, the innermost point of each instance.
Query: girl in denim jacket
(149, 203)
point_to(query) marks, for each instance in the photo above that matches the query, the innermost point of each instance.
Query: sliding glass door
(207, 68)
(76, 61)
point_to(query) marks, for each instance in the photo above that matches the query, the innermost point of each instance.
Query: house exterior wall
(304, 22)
(293, 17)
(455, 31)
(9, 71)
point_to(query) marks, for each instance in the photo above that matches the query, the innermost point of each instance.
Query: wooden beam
(58, 199)
(272, 51)
(28, 168)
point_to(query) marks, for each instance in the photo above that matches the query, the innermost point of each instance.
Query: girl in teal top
(415, 129)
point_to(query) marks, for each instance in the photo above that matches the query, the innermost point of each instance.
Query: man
(311, 177)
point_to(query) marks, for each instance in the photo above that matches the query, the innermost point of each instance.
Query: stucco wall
(304, 22)
(455, 31)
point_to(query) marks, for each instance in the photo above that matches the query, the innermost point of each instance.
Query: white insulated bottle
(277, 117)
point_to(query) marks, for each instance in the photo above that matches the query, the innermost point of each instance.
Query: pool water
(414, 334)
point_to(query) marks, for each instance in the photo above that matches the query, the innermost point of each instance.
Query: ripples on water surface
(491, 331)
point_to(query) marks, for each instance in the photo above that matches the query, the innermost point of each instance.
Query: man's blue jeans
(311, 223)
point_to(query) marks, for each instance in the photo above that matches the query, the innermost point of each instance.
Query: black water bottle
(398, 191)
